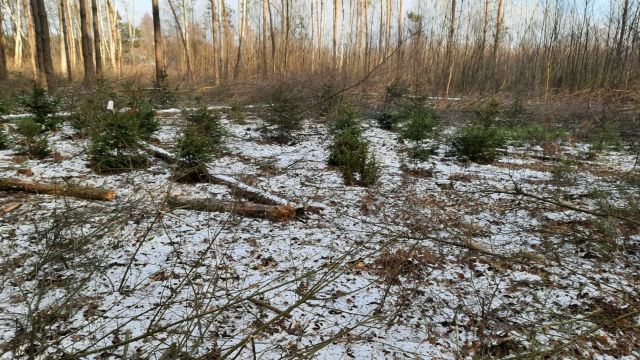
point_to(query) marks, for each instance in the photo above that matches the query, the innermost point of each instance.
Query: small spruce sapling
(32, 139)
(196, 146)
(421, 124)
(350, 152)
(115, 143)
(42, 106)
(283, 115)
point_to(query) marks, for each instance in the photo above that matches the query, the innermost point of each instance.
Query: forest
(330, 179)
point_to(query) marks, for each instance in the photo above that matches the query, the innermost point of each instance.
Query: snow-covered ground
(435, 263)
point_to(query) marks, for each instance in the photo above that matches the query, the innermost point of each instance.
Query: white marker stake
(110, 105)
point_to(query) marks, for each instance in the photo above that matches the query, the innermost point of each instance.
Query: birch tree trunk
(18, 35)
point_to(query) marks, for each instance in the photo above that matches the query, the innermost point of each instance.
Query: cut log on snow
(60, 189)
(270, 212)
(238, 188)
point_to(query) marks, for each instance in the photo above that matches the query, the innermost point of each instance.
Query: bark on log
(238, 188)
(81, 192)
(269, 212)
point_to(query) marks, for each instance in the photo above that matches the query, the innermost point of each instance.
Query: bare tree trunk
(87, 45)
(400, 21)
(43, 43)
(16, 18)
(496, 43)
(452, 30)
(623, 29)
(65, 39)
(287, 31)
(31, 38)
(4, 72)
(227, 41)
(186, 40)
(273, 39)
(96, 37)
(69, 39)
(182, 38)
(116, 41)
(214, 41)
(367, 42)
(241, 18)
(157, 41)
(265, 65)
(335, 34)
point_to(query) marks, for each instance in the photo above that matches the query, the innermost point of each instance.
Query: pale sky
(141, 7)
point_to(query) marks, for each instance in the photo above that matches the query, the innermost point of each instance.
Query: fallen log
(59, 189)
(269, 212)
(238, 188)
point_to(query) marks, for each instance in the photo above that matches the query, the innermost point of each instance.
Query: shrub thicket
(283, 114)
(42, 106)
(32, 139)
(350, 153)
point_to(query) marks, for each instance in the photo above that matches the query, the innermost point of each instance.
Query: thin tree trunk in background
(31, 37)
(4, 71)
(496, 43)
(97, 42)
(182, 38)
(115, 36)
(87, 45)
(69, 39)
(16, 18)
(335, 34)
(623, 28)
(227, 41)
(367, 39)
(450, 38)
(43, 42)
(186, 40)
(265, 64)
(287, 31)
(400, 21)
(65, 39)
(273, 39)
(76, 28)
(214, 41)
(241, 19)
(157, 42)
